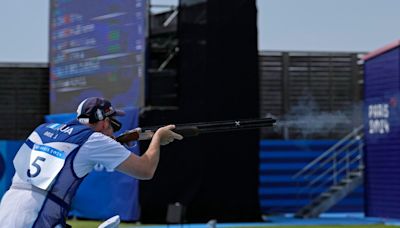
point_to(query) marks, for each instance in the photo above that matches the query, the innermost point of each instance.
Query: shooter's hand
(166, 135)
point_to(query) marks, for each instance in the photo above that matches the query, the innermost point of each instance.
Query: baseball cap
(94, 109)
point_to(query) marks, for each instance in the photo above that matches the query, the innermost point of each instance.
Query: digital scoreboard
(97, 48)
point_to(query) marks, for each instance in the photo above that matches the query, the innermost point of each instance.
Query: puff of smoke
(306, 118)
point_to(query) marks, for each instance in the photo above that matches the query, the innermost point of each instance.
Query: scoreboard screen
(97, 48)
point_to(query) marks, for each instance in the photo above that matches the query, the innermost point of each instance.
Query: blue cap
(94, 109)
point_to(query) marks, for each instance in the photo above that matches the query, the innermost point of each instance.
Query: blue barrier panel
(382, 132)
(279, 192)
(105, 193)
(8, 149)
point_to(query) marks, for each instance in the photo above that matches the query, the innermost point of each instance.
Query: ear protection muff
(99, 115)
(96, 116)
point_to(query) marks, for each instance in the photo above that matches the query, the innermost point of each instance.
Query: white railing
(333, 165)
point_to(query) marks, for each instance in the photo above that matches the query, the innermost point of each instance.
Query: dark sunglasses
(115, 124)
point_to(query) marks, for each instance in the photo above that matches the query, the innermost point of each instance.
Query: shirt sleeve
(99, 149)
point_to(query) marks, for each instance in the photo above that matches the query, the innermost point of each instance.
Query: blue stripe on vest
(29, 143)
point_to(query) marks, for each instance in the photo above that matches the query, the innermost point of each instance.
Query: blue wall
(279, 192)
(8, 149)
(281, 159)
(382, 134)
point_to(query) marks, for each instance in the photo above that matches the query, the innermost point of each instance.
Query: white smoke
(307, 118)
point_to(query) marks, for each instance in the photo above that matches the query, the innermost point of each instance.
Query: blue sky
(305, 25)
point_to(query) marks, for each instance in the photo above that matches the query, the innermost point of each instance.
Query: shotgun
(194, 129)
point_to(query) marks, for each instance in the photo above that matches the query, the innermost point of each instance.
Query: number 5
(37, 166)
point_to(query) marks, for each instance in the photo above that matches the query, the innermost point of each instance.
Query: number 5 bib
(39, 164)
(45, 163)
